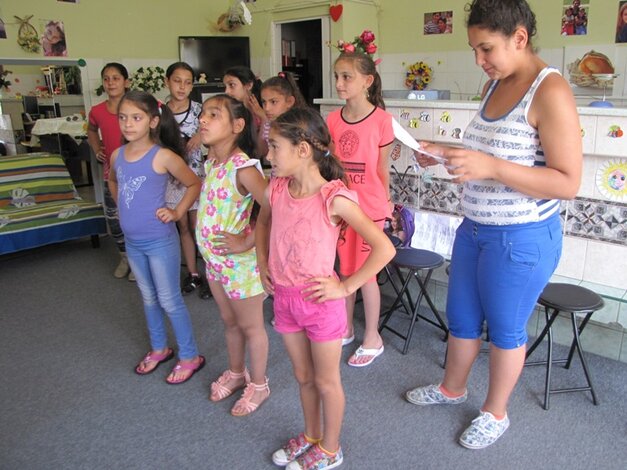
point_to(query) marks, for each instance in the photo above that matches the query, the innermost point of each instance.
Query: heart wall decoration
(336, 11)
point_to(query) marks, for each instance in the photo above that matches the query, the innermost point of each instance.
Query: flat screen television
(212, 55)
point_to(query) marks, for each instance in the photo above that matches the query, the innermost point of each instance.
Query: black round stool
(575, 300)
(414, 260)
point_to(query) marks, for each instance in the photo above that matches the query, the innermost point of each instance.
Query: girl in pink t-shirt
(302, 214)
(362, 135)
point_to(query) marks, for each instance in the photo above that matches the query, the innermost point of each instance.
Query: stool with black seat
(414, 261)
(576, 301)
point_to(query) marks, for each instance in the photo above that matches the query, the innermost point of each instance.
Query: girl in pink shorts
(305, 207)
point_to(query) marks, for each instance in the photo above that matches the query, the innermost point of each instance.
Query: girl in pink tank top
(302, 215)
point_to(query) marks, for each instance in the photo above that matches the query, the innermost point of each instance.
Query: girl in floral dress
(233, 183)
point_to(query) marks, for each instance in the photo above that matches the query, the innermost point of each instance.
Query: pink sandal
(219, 390)
(153, 357)
(245, 406)
(188, 366)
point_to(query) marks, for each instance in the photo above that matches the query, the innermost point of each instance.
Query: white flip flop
(373, 353)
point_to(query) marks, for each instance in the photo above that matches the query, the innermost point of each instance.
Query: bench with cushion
(39, 204)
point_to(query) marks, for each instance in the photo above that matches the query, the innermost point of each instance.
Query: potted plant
(72, 77)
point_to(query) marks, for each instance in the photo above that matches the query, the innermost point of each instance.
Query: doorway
(300, 48)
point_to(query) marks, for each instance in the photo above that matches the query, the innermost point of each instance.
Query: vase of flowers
(363, 44)
(148, 79)
(418, 76)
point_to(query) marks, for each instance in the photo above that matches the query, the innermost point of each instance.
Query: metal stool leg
(584, 364)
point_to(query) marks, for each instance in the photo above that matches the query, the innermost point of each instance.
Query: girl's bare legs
(188, 244)
(317, 370)
(244, 328)
(505, 368)
(372, 310)
(461, 355)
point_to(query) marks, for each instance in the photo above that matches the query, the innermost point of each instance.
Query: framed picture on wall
(53, 42)
(574, 18)
(438, 22)
(621, 22)
(3, 30)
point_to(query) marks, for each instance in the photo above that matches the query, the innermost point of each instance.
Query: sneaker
(131, 277)
(316, 459)
(122, 269)
(205, 292)
(294, 448)
(484, 430)
(432, 395)
(191, 283)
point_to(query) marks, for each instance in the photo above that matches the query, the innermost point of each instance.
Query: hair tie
(282, 74)
(159, 104)
(327, 154)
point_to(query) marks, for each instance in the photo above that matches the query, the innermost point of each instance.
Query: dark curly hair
(502, 16)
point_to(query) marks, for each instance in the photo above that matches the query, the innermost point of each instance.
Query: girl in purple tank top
(138, 180)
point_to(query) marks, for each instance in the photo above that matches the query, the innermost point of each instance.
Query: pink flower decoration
(221, 173)
(225, 280)
(367, 37)
(211, 277)
(349, 48)
(215, 228)
(245, 215)
(238, 160)
(205, 232)
(234, 294)
(229, 263)
(211, 194)
(217, 267)
(371, 48)
(211, 210)
(222, 193)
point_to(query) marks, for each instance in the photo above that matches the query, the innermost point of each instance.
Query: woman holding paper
(522, 154)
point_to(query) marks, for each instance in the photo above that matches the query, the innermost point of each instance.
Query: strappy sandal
(245, 406)
(153, 357)
(219, 390)
(191, 367)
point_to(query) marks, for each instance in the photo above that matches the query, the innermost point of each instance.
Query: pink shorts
(353, 250)
(320, 322)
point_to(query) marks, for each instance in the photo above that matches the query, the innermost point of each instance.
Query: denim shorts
(325, 321)
(497, 274)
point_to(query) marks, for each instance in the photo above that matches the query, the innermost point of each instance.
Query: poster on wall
(53, 41)
(68, 1)
(438, 22)
(574, 18)
(3, 30)
(621, 22)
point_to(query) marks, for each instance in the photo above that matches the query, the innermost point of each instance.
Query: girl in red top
(104, 136)
(362, 134)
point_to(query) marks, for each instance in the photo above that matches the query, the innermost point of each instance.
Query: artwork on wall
(3, 30)
(612, 180)
(53, 39)
(438, 22)
(68, 1)
(574, 18)
(621, 22)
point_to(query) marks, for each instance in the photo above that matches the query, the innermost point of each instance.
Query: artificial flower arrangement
(4, 81)
(418, 76)
(149, 79)
(27, 36)
(236, 16)
(364, 44)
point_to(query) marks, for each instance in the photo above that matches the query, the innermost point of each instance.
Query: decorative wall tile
(597, 220)
(610, 136)
(405, 187)
(440, 195)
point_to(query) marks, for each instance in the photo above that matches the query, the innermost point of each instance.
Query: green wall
(149, 28)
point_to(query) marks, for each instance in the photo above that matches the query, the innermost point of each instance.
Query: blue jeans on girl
(157, 265)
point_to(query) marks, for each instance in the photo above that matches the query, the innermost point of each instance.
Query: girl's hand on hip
(166, 215)
(226, 243)
(266, 280)
(325, 288)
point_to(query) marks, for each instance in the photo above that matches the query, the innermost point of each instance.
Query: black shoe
(205, 292)
(191, 283)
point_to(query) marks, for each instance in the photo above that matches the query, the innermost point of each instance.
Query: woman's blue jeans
(156, 265)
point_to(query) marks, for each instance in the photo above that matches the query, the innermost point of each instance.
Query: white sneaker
(294, 448)
(484, 430)
(432, 395)
(348, 340)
